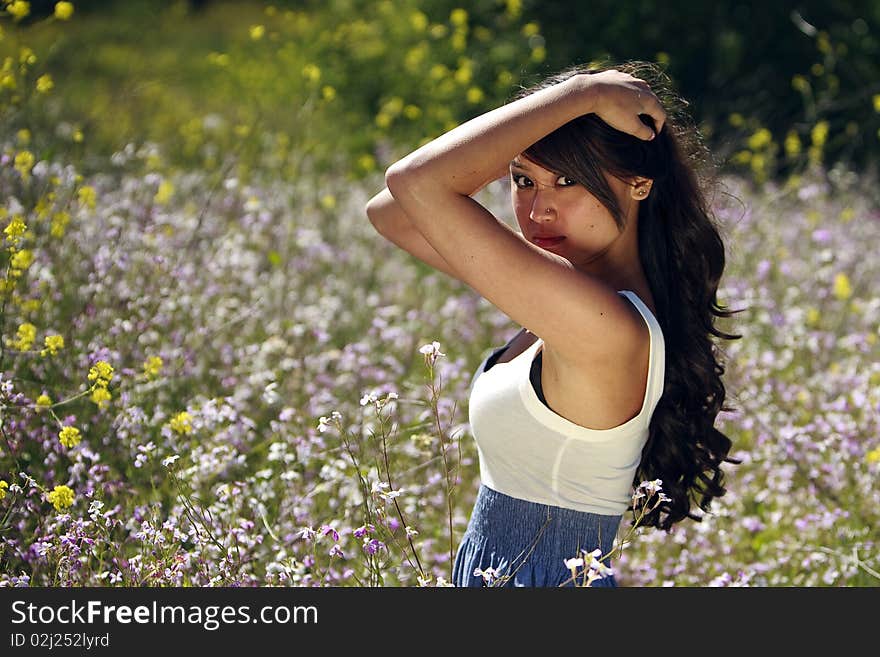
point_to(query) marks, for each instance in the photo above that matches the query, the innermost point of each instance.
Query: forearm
(385, 213)
(390, 221)
(471, 154)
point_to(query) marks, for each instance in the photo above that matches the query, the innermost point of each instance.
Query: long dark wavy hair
(683, 257)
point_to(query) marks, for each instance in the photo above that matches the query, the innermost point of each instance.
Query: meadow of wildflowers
(225, 376)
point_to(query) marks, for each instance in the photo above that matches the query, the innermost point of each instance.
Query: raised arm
(579, 315)
(466, 158)
(391, 222)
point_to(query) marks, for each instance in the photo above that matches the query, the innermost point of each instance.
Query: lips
(548, 240)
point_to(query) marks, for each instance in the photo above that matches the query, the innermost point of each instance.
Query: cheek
(591, 211)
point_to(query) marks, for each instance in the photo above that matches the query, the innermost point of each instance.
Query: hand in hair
(621, 99)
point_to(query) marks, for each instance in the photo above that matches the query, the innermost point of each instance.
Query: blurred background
(774, 85)
(210, 364)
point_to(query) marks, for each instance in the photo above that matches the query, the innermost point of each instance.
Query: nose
(542, 209)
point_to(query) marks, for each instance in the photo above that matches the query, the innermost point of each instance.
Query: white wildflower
(431, 352)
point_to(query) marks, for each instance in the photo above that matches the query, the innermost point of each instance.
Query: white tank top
(528, 451)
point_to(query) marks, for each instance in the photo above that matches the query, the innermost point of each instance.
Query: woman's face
(547, 204)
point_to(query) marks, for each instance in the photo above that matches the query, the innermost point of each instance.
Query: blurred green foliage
(747, 66)
(345, 85)
(333, 85)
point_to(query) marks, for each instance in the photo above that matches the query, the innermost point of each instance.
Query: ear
(639, 188)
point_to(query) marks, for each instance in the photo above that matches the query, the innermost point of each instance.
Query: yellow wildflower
(164, 193)
(475, 95)
(819, 133)
(152, 367)
(180, 423)
(53, 344)
(257, 32)
(43, 401)
(328, 93)
(842, 288)
(18, 9)
(43, 205)
(218, 58)
(25, 337)
(760, 139)
(871, 457)
(465, 71)
(792, 144)
(86, 196)
(101, 373)
(100, 396)
(438, 71)
(23, 135)
(311, 72)
(22, 259)
(418, 21)
(27, 56)
(45, 83)
(366, 162)
(458, 17)
(59, 223)
(800, 83)
(877, 102)
(69, 437)
(4, 486)
(530, 29)
(63, 10)
(328, 202)
(61, 497)
(24, 162)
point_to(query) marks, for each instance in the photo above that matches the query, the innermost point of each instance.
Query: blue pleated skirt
(527, 543)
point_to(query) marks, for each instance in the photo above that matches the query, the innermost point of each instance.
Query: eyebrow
(517, 165)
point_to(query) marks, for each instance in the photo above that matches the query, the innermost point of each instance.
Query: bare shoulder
(626, 338)
(610, 388)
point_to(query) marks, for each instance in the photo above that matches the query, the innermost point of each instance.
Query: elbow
(394, 176)
(375, 214)
(401, 178)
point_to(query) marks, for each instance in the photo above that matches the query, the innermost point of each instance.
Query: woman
(614, 275)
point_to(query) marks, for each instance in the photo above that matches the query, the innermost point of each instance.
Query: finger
(654, 109)
(659, 116)
(645, 132)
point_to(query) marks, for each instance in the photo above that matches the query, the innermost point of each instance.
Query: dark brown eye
(521, 181)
